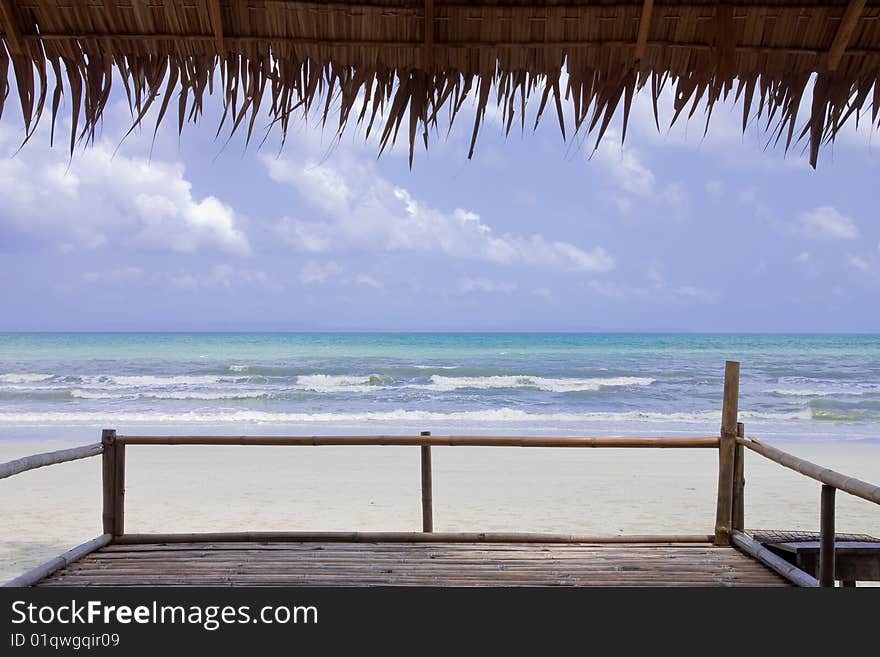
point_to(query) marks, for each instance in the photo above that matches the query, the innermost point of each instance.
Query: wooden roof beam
(13, 34)
(216, 25)
(844, 33)
(644, 26)
(429, 33)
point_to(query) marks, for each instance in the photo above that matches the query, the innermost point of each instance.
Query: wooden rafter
(429, 32)
(844, 33)
(644, 26)
(13, 34)
(216, 24)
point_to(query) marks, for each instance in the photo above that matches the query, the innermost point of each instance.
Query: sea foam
(449, 383)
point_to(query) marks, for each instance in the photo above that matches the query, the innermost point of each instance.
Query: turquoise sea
(822, 387)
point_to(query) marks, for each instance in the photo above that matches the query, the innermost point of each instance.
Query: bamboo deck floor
(414, 564)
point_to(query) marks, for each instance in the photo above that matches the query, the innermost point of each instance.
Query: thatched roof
(400, 64)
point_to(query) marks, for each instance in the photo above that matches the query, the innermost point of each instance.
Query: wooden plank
(844, 33)
(726, 452)
(400, 564)
(34, 461)
(754, 549)
(402, 537)
(826, 537)
(842, 482)
(13, 34)
(644, 27)
(853, 560)
(71, 556)
(108, 477)
(440, 441)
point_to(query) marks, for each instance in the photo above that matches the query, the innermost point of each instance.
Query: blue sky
(669, 232)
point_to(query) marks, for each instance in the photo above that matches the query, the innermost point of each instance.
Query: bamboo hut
(409, 65)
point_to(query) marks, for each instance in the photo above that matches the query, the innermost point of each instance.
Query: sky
(672, 231)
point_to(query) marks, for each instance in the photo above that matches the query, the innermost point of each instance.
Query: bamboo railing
(730, 503)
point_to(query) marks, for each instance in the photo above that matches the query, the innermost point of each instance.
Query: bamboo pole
(42, 571)
(739, 482)
(12, 33)
(440, 441)
(34, 461)
(840, 481)
(427, 488)
(216, 19)
(726, 452)
(644, 27)
(428, 47)
(108, 478)
(844, 33)
(451, 45)
(826, 537)
(402, 537)
(746, 544)
(119, 492)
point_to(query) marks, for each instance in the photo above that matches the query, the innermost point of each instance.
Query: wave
(146, 381)
(447, 383)
(476, 417)
(171, 394)
(24, 378)
(837, 391)
(341, 382)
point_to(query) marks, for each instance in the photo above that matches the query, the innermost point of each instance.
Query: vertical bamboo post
(119, 492)
(726, 453)
(739, 482)
(826, 537)
(108, 475)
(427, 496)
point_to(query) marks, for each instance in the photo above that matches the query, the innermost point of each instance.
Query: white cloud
(632, 181)
(612, 290)
(826, 223)
(803, 257)
(751, 199)
(857, 262)
(121, 275)
(715, 188)
(367, 213)
(485, 285)
(98, 198)
(698, 293)
(625, 167)
(318, 273)
(366, 280)
(222, 276)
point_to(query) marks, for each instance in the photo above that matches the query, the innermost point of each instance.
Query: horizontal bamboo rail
(438, 441)
(48, 458)
(402, 537)
(792, 573)
(827, 476)
(44, 570)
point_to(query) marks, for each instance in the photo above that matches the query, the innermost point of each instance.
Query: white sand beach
(589, 491)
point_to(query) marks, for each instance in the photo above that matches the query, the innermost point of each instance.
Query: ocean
(794, 387)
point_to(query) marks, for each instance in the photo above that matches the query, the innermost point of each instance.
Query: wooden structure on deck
(727, 557)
